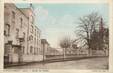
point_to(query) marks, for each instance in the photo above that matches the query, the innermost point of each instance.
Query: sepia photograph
(56, 36)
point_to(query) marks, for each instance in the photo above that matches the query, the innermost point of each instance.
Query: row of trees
(91, 33)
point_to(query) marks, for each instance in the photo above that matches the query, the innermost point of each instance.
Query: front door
(17, 51)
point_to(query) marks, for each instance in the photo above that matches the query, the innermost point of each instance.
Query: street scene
(56, 36)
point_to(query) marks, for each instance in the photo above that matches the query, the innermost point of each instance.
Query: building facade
(45, 46)
(53, 52)
(21, 36)
(34, 42)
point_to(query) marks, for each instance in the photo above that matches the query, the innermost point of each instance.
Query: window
(31, 29)
(7, 30)
(21, 22)
(27, 51)
(24, 35)
(5, 6)
(38, 35)
(23, 49)
(35, 32)
(31, 49)
(13, 17)
(13, 14)
(35, 51)
(16, 50)
(32, 19)
(17, 33)
(30, 37)
(37, 41)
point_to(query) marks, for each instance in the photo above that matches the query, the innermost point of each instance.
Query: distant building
(74, 49)
(44, 45)
(53, 51)
(21, 36)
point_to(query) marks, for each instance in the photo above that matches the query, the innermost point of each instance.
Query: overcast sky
(58, 20)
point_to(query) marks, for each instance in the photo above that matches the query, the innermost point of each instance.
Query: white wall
(15, 58)
(31, 58)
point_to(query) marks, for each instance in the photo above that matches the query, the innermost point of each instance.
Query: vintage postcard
(56, 36)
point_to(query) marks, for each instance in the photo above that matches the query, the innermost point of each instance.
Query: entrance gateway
(12, 53)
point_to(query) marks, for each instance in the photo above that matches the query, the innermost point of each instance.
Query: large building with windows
(21, 36)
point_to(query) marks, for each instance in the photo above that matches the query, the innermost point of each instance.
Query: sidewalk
(52, 60)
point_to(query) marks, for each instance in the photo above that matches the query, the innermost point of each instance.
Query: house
(21, 36)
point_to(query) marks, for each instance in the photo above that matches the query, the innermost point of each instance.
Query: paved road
(93, 63)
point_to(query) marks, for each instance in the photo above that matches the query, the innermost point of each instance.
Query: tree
(65, 43)
(106, 41)
(99, 39)
(74, 46)
(87, 25)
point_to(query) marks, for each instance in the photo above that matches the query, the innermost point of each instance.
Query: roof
(44, 41)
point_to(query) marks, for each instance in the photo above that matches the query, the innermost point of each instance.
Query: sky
(58, 20)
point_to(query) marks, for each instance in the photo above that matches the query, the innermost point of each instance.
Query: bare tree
(65, 43)
(87, 25)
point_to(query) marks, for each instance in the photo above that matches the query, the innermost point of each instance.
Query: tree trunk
(64, 52)
(90, 52)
